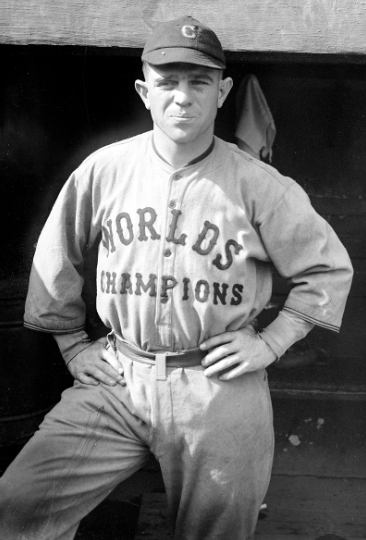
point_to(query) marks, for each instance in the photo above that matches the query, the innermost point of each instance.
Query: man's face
(183, 99)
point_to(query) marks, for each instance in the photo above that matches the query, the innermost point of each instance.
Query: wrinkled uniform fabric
(186, 254)
(183, 255)
(213, 440)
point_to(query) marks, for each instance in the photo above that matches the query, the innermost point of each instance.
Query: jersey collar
(201, 157)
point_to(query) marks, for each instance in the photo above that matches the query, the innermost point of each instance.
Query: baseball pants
(213, 439)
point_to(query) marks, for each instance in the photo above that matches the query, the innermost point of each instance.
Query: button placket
(167, 264)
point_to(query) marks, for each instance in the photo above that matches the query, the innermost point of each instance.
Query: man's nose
(182, 95)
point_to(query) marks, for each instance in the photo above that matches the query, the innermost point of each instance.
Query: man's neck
(179, 155)
(197, 159)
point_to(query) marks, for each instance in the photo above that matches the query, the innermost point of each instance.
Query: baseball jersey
(183, 254)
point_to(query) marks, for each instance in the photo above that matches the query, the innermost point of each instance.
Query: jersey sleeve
(54, 300)
(71, 344)
(284, 331)
(307, 252)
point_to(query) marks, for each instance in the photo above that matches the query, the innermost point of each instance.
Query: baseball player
(188, 229)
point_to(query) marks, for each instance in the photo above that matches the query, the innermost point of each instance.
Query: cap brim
(172, 55)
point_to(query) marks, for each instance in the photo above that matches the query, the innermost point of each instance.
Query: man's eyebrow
(194, 75)
(202, 75)
(162, 79)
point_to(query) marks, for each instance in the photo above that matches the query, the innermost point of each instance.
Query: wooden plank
(299, 537)
(316, 27)
(339, 206)
(342, 379)
(154, 519)
(331, 438)
(110, 521)
(295, 536)
(318, 395)
(281, 288)
(348, 224)
(288, 537)
(314, 507)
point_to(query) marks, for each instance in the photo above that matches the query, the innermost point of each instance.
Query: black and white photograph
(183, 270)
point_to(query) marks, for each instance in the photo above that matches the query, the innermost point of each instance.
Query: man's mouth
(182, 116)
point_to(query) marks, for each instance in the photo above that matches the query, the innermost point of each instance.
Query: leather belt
(161, 359)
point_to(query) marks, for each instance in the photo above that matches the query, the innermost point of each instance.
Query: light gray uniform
(184, 255)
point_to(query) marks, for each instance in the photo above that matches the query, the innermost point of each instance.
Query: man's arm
(307, 252)
(245, 350)
(54, 302)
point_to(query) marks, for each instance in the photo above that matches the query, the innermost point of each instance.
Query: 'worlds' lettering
(122, 229)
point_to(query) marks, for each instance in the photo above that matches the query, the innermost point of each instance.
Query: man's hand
(236, 352)
(97, 364)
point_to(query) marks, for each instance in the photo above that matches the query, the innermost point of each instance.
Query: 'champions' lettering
(201, 290)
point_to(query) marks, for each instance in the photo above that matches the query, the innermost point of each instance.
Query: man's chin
(183, 136)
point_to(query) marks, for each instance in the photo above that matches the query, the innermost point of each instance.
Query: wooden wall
(320, 115)
(298, 26)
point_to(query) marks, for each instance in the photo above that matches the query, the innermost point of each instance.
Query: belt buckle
(160, 363)
(160, 366)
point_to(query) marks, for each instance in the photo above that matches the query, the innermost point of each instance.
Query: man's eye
(198, 83)
(166, 83)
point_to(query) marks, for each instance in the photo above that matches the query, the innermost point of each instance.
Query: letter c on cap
(189, 31)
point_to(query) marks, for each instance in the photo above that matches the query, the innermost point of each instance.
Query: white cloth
(255, 128)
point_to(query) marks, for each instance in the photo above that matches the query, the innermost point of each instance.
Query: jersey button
(177, 177)
(167, 253)
(172, 204)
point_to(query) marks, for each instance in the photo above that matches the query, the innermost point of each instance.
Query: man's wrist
(72, 344)
(272, 355)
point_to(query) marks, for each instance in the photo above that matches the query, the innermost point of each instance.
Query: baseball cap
(184, 40)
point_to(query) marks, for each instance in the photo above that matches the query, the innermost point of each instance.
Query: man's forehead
(182, 67)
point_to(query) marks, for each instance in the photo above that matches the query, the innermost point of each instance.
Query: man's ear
(142, 90)
(225, 87)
